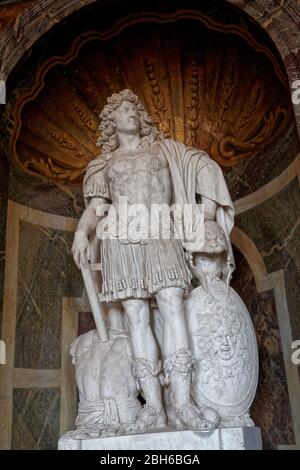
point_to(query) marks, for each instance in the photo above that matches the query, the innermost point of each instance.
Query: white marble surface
(247, 438)
(224, 346)
(106, 386)
(127, 193)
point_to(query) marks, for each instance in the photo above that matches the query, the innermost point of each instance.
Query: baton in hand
(94, 302)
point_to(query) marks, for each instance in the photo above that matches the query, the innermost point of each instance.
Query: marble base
(247, 438)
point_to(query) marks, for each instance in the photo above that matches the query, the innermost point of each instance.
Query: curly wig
(108, 140)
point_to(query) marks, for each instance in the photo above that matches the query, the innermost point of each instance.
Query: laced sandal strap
(142, 368)
(181, 361)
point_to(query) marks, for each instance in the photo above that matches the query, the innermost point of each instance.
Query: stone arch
(253, 257)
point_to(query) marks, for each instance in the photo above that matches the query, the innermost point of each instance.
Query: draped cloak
(192, 172)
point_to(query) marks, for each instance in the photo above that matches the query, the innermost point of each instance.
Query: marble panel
(271, 409)
(46, 273)
(250, 175)
(274, 226)
(35, 419)
(45, 195)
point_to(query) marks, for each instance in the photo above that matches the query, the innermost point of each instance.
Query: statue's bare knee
(172, 295)
(170, 302)
(137, 313)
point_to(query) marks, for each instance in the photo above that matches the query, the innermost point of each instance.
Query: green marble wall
(45, 195)
(271, 409)
(46, 273)
(35, 419)
(249, 175)
(275, 229)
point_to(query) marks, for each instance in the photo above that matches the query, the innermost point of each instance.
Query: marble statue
(152, 258)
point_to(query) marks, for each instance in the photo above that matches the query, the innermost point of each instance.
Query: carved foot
(111, 430)
(194, 417)
(147, 418)
(86, 433)
(98, 431)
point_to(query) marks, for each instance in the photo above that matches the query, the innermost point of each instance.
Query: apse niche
(209, 88)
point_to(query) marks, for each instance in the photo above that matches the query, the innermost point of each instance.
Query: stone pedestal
(247, 438)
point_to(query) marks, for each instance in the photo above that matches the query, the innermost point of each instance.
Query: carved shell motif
(221, 92)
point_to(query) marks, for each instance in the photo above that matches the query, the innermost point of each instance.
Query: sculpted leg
(170, 304)
(138, 318)
(146, 367)
(179, 363)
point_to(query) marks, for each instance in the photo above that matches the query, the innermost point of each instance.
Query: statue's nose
(225, 337)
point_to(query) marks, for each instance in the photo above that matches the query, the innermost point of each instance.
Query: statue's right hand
(81, 249)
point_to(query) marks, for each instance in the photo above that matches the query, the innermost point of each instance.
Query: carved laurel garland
(193, 122)
(158, 100)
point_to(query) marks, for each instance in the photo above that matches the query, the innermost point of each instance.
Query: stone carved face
(126, 118)
(108, 140)
(222, 341)
(224, 345)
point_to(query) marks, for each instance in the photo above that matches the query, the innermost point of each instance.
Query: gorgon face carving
(224, 345)
(222, 341)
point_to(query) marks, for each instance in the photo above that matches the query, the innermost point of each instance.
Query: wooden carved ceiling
(206, 84)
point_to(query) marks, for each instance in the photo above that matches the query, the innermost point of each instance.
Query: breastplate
(143, 178)
(136, 174)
